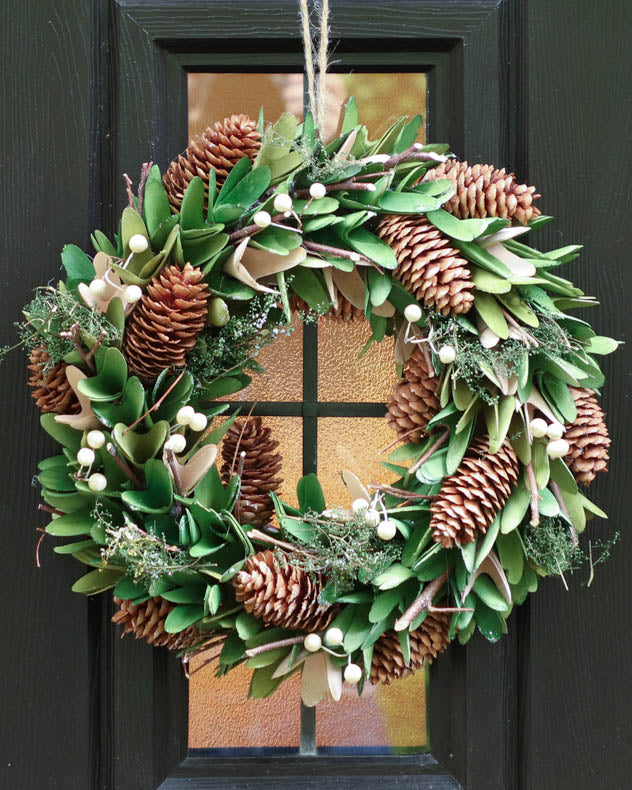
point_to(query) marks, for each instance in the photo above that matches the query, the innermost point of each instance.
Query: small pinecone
(426, 642)
(470, 498)
(427, 265)
(282, 595)
(344, 312)
(219, 148)
(147, 621)
(166, 322)
(261, 467)
(51, 390)
(413, 401)
(483, 191)
(588, 438)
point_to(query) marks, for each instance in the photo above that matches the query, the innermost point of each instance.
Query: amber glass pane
(342, 374)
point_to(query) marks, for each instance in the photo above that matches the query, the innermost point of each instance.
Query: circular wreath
(495, 410)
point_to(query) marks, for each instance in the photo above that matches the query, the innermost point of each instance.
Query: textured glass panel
(221, 715)
(213, 97)
(391, 716)
(282, 379)
(344, 377)
(351, 443)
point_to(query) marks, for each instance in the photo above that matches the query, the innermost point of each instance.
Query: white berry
(555, 431)
(386, 530)
(98, 288)
(353, 674)
(95, 439)
(557, 448)
(176, 443)
(283, 203)
(412, 313)
(185, 415)
(447, 354)
(85, 456)
(372, 517)
(359, 506)
(334, 637)
(538, 427)
(138, 243)
(198, 422)
(262, 219)
(312, 643)
(132, 294)
(354, 256)
(317, 191)
(97, 482)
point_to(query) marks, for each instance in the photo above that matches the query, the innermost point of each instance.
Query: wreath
(495, 411)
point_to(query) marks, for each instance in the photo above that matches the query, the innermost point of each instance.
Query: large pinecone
(281, 594)
(483, 191)
(427, 265)
(588, 438)
(261, 467)
(426, 642)
(147, 621)
(219, 148)
(344, 312)
(413, 401)
(470, 498)
(51, 389)
(166, 322)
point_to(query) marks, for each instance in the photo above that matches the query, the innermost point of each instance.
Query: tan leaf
(101, 263)
(334, 679)
(287, 666)
(236, 269)
(314, 680)
(261, 263)
(189, 474)
(351, 285)
(386, 310)
(492, 567)
(345, 148)
(518, 266)
(86, 419)
(502, 235)
(355, 486)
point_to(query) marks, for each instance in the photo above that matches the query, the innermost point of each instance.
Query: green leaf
(393, 577)
(249, 189)
(384, 604)
(461, 229)
(226, 385)
(456, 448)
(227, 287)
(128, 589)
(408, 135)
(236, 173)
(407, 203)
(489, 622)
(602, 345)
(491, 313)
(78, 266)
(191, 594)
(158, 496)
(182, 617)
(97, 581)
(310, 494)
(64, 434)
(516, 305)
(515, 509)
(109, 383)
(511, 556)
(488, 282)
(71, 524)
(128, 410)
(359, 629)
(262, 684)
(548, 505)
(488, 542)
(156, 207)
(350, 118)
(309, 286)
(559, 397)
(372, 247)
(140, 447)
(248, 625)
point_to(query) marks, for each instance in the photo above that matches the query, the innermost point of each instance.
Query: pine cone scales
(282, 595)
(344, 312)
(427, 266)
(588, 438)
(413, 401)
(219, 148)
(166, 322)
(51, 389)
(147, 621)
(261, 467)
(426, 642)
(470, 498)
(483, 191)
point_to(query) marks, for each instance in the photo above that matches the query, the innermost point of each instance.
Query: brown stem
(124, 466)
(421, 603)
(350, 184)
(397, 441)
(144, 173)
(335, 251)
(130, 192)
(535, 496)
(171, 460)
(439, 443)
(402, 493)
(74, 336)
(252, 230)
(39, 543)
(450, 609)
(156, 404)
(293, 640)
(96, 345)
(49, 509)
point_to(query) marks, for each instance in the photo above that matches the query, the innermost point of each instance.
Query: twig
(261, 537)
(241, 434)
(130, 193)
(450, 609)
(144, 173)
(293, 640)
(96, 345)
(397, 441)
(73, 335)
(421, 603)
(39, 543)
(252, 230)
(399, 491)
(156, 404)
(171, 460)
(439, 443)
(124, 466)
(560, 501)
(535, 496)
(350, 184)
(335, 251)
(49, 509)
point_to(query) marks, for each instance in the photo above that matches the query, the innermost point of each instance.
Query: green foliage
(551, 546)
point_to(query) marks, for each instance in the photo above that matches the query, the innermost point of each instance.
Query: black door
(90, 90)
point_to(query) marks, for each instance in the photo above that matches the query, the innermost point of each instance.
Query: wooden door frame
(94, 88)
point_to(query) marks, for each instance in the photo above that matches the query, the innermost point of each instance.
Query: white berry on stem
(132, 294)
(312, 643)
(185, 415)
(85, 456)
(386, 530)
(317, 191)
(262, 219)
(97, 482)
(95, 439)
(353, 674)
(138, 243)
(555, 431)
(538, 427)
(334, 637)
(198, 422)
(372, 517)
(176, 443)
(447, 354)
(557, 448)
(413, 313)
(98, 288)
(283, 203)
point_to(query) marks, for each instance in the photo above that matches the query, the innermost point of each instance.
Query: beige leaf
(403, 349)
(518, 266)
(314, 680)
(331, 288)
(261, 263)
(502, 235)
(236, 269)
(488, 338)
(101, 263)
(287, 666)
(492, 567)
(355, 486)
(386, 310)
(86, 420)
(189, 474)
(345, 148)
(351, 285)
(334, 679)
(535, 399)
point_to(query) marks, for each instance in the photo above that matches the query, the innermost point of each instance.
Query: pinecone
(51, 389)
(261, 466)
(588, 438)
(344, 312)
(219, 149)
(166, 322)
(147, 621)
(282, 595)
(470, 498)
(413, 401)
(483, 191)
(426, 642)
(427, 265)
